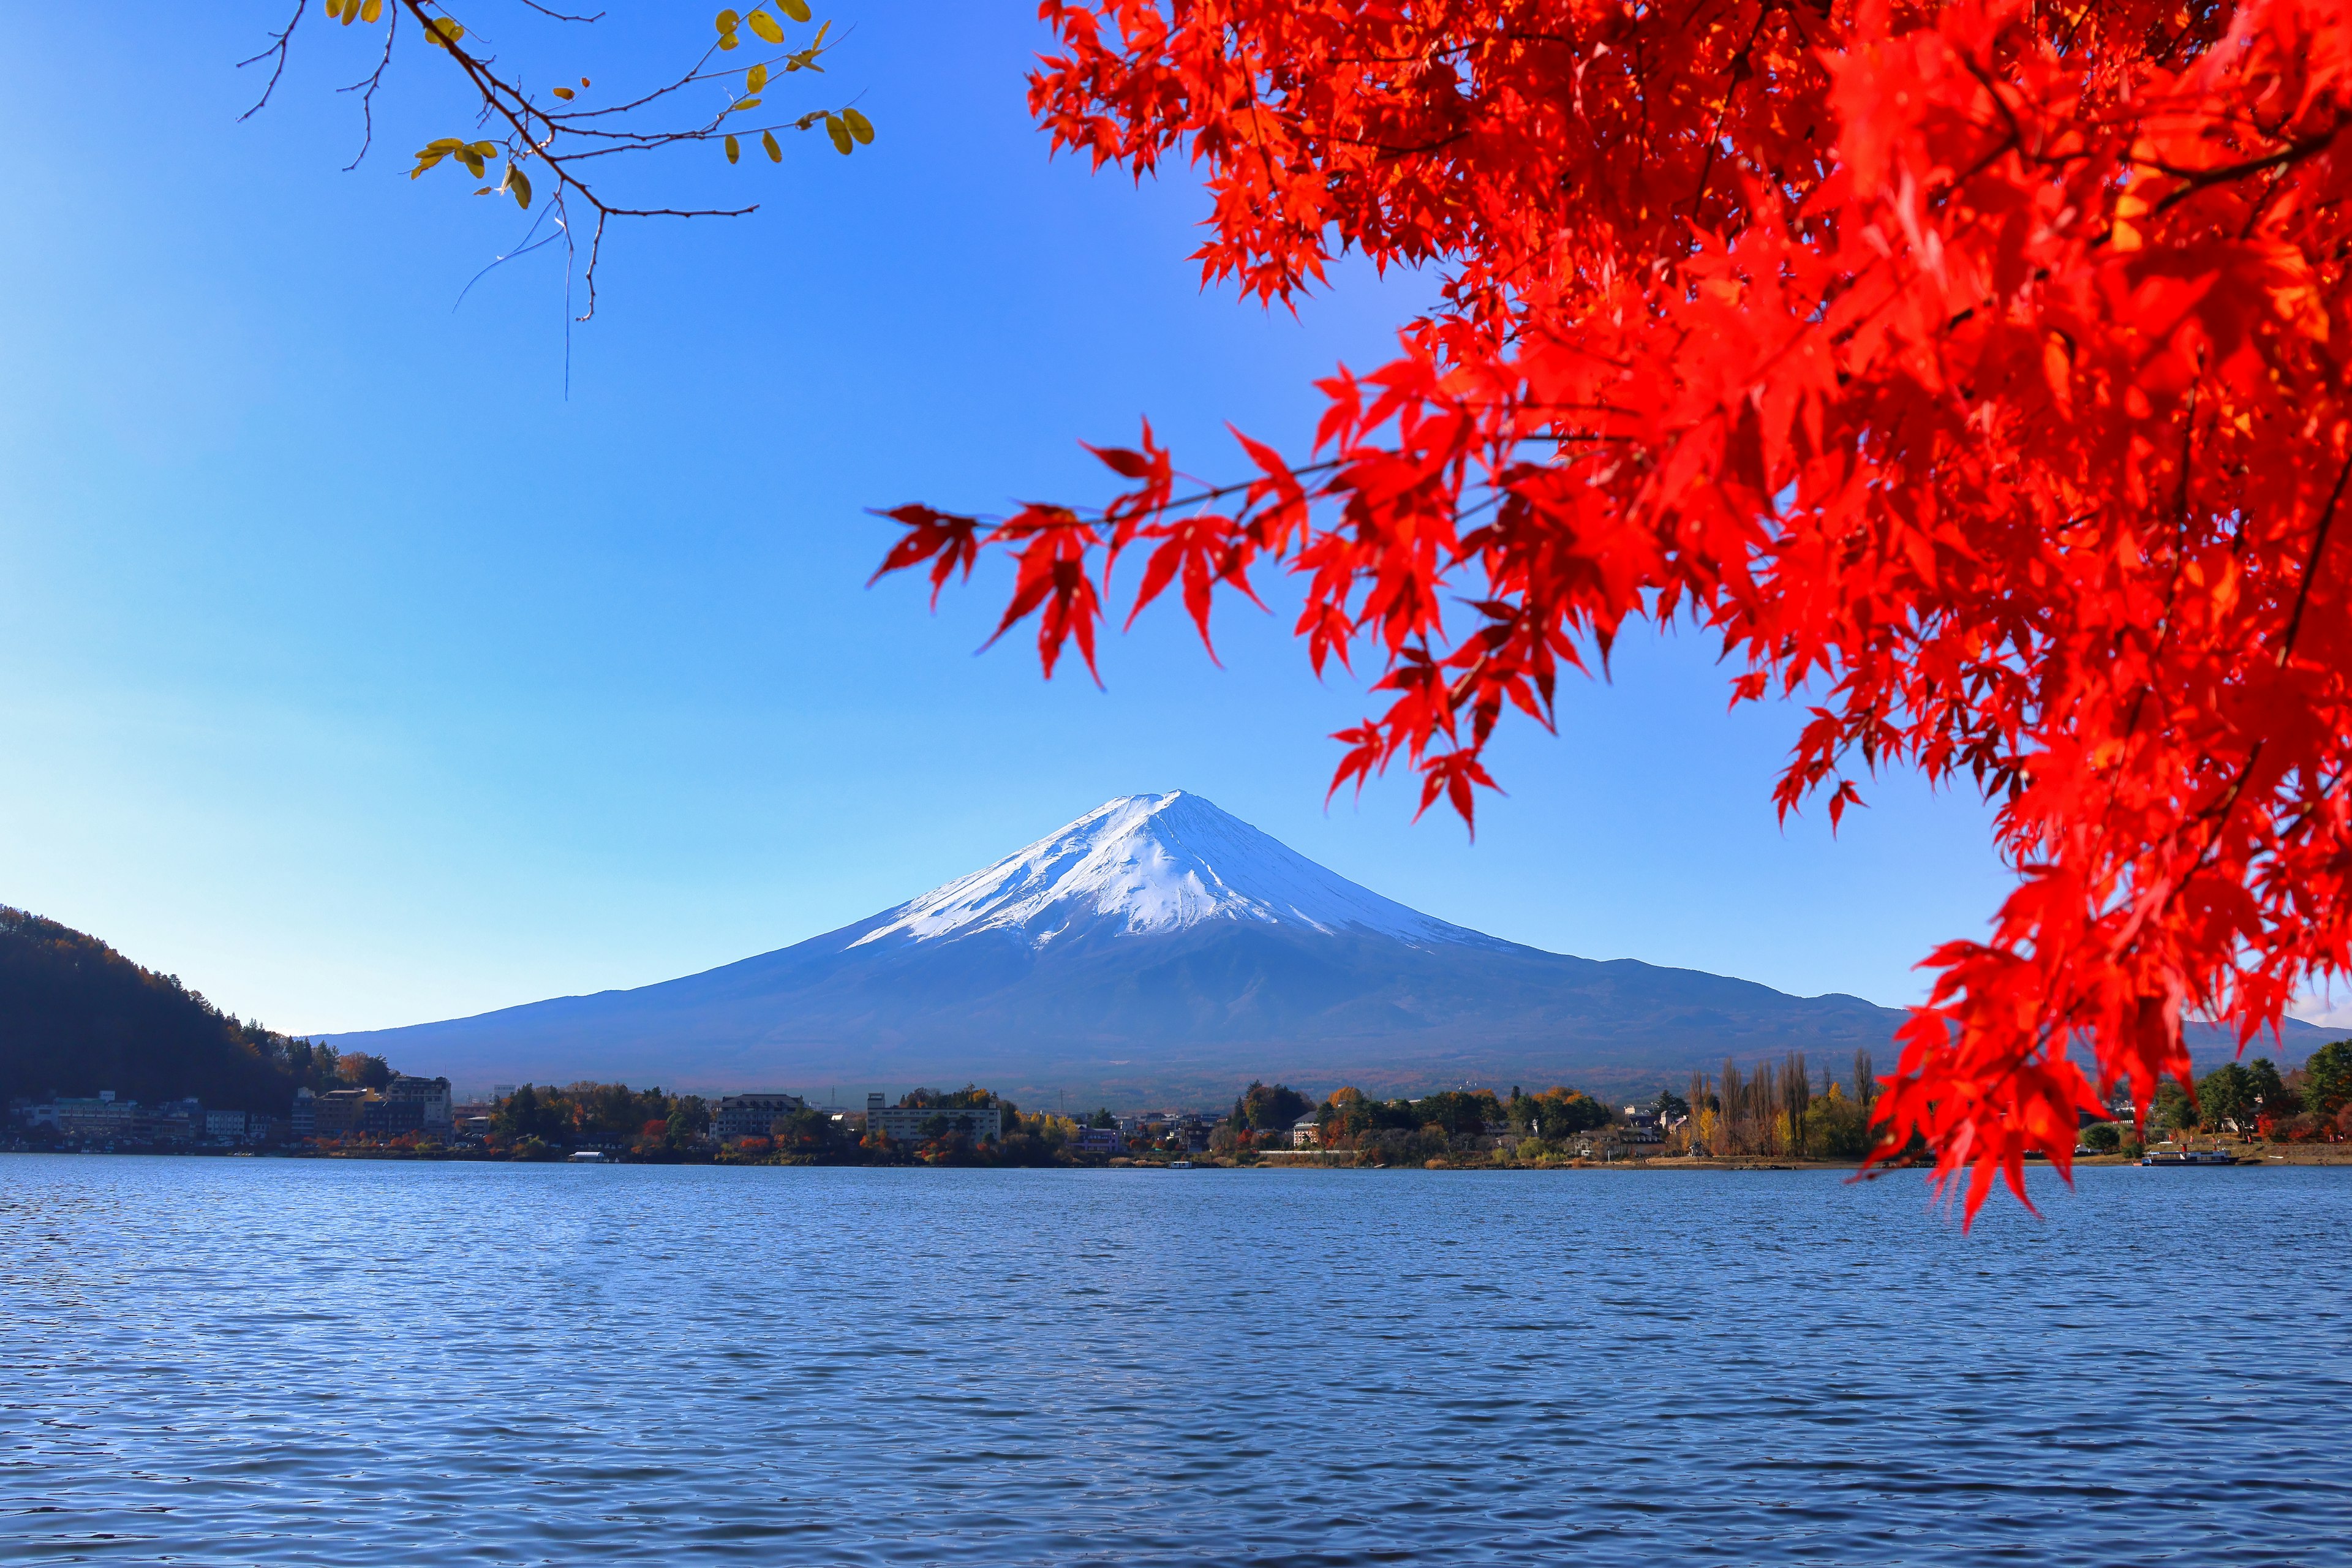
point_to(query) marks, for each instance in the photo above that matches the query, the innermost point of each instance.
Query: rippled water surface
(282, 1362)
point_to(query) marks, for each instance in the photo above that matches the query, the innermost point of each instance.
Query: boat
(587, 1156)
(2188, 1157)
(1180, 1164)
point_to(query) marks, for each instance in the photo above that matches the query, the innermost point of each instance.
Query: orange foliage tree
(1976, 370)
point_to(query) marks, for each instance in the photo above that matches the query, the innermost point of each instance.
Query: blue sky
(358, 674)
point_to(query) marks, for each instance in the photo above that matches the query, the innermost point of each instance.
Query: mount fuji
(1157, 948)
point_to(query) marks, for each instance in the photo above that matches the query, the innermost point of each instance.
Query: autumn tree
(558, 138)
(1974, 370)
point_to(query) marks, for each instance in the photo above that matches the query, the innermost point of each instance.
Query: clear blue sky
(357, 675)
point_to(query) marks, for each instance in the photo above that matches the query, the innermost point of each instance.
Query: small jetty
(2190, 1157)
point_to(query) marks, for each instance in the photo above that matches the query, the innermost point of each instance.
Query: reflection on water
(242, 1360)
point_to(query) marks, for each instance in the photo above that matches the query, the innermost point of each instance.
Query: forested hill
(75, 1017)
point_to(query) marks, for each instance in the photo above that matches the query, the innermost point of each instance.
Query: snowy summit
(1148, 864)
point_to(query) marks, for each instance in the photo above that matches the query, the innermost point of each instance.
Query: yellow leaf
(839, 133)
(768, 140)
(519, 183)
(755, 79)
(859, 126)
(796, 9)
(744, 103)
(728, 40)
(734, 148)
(564, 93)
(728, 21)
(765, 26)
(334, 9)
(487, 149)
(372, 11)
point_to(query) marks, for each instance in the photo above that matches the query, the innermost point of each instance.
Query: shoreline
(2296, 1154)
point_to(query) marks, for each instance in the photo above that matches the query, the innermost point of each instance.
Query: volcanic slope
(1156, 948)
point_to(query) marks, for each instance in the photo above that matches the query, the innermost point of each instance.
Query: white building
(908, 1123)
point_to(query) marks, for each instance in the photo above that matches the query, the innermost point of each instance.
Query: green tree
(2327, 1078)
(687, 1121)
(2104, 1137)
(2271, 1096)
(2225, 1098)
(2171, 1112)
(1558, 1113)
(1462, 1113)
(1269, 1108)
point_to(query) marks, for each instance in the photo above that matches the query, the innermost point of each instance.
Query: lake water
(280, 1362)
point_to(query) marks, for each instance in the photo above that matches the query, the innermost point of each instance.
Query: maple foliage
(1976, 371)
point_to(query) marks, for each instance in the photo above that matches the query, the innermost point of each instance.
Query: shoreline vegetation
(1772, 1117)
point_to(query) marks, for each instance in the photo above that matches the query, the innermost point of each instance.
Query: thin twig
(276, 52)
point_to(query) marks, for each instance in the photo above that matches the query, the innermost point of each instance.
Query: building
(340, 1112)
(913, 1123)
(751, 1115)
(226, 1124)
(430, 1097)
(176, 1121)
(1305, 1133)
(1641, 1127)
(1096, 1141)
(406, 1105)
(104, 1117)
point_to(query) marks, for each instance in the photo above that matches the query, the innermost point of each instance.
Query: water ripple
(237, 1362)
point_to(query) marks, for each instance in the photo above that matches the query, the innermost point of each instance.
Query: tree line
(75, 1017)
(2248, 1099)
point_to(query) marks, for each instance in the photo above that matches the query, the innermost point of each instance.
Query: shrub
(2103, 1136)
(1837, 1128)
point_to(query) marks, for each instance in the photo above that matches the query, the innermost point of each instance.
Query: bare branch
(275, 54)
(366, 87)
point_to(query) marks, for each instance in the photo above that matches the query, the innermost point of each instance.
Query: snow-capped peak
(1154, 863)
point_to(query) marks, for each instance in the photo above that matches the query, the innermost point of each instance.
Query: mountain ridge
(1154, 948)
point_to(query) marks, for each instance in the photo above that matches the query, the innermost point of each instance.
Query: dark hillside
(75, 1017)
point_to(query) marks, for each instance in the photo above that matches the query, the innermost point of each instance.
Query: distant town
(419, 1117)
(1771, 1111)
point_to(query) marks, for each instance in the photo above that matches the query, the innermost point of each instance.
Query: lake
(329, 1362)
